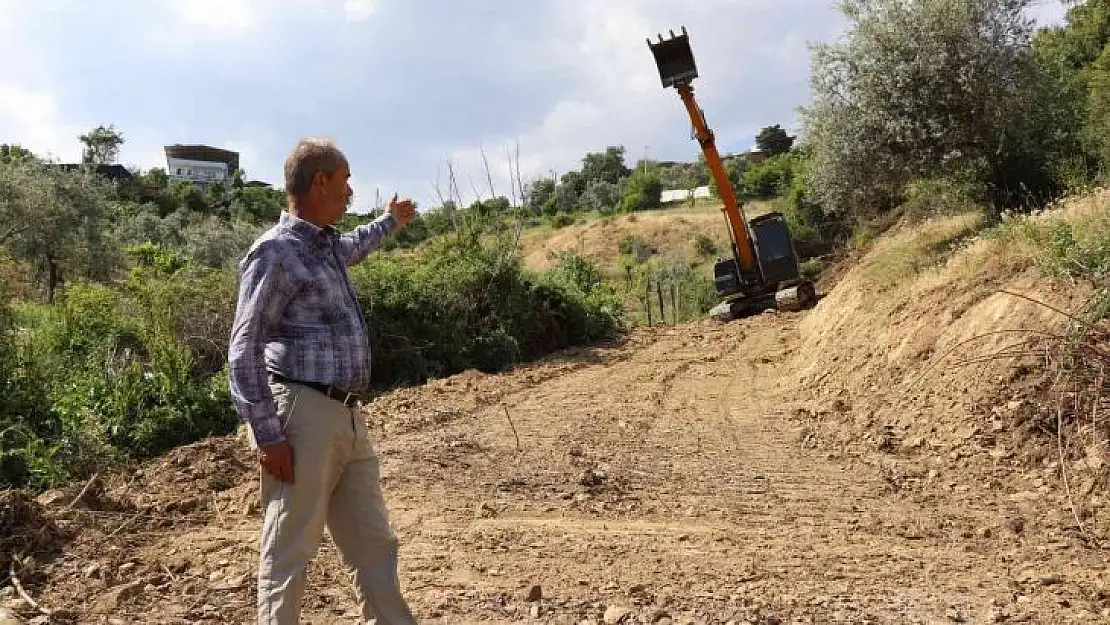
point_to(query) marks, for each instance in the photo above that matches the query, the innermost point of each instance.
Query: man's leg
(295, 514)
(359, 524)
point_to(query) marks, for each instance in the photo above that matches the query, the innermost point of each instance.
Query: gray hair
(310, 156)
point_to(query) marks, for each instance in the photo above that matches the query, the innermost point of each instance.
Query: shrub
(634, 246)
(561, 220)
(811, 269)
(773, 177)
(704, 245)
(457, 306)
(643, 191)
(111, 374)
(687, 293)
(1062, 245)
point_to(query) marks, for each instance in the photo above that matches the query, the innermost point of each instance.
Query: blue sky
(404, 86)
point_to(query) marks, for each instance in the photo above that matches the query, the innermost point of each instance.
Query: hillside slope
(670, 231)
(785, 468)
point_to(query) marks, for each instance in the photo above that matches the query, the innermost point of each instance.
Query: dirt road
(659, 479)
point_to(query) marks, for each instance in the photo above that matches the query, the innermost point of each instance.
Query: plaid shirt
(297, 316)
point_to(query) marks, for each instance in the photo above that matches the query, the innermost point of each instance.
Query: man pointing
(298, 359)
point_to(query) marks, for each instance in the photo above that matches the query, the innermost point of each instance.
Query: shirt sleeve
(357, 244)
(263, 294)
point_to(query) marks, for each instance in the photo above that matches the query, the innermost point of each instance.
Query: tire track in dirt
(700, 512)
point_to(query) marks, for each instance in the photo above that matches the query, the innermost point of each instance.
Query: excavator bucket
(674, 58)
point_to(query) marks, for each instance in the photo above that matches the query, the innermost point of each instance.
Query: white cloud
(218, 15)
(249, 157)
(32, 119)
(359, 10)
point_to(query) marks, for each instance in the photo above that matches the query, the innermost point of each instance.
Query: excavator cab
(674, 59)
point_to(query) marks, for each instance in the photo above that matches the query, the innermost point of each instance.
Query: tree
(571, 186)
(735, 168)
(539, 193)
(101, 145)
(257, 204)
(601, 196)
(607, 166)
(189, 196)
(11, 153)
(58, 222)
(773, 141)
(918, 88)
(773, 177)
(644, 190)
(1073, 81)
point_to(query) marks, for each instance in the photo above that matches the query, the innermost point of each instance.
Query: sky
(403, 86)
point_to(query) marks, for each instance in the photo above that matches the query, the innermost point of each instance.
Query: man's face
(336, 194)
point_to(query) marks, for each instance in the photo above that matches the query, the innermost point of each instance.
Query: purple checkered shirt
(297, 316)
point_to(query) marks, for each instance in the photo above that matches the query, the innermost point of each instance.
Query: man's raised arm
(358, 243)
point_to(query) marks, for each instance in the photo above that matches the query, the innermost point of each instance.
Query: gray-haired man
(298, 359)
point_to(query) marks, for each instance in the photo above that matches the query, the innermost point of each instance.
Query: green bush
(561, 220)
(29, 430)
(108, 374)
(811, 228)
(704, 245)
(635, 247)
(771, 178)
(687, 293)
(811, 269)
(458, 306)
(643, 191)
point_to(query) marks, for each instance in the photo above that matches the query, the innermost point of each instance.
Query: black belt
(347, 399)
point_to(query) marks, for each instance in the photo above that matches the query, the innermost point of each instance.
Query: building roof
(110, 171)
(204, 153)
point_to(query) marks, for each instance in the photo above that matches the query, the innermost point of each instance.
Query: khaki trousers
(336, 484)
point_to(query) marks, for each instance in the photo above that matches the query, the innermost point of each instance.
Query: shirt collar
(306, 230)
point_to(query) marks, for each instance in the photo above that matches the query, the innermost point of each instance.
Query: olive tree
(57, 221)
(918, 89)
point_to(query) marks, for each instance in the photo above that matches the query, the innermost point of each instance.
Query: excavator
(763, 272)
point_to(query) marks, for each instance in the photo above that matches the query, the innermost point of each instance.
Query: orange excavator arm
(732, 209)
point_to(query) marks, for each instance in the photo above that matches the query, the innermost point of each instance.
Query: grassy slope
(670, 232)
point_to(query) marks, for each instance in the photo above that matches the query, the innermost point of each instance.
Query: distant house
(200, 164)
(670, 196)
(751, 157)
(112, 172)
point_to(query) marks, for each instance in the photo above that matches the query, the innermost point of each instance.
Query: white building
(682, 195)
(200, 164)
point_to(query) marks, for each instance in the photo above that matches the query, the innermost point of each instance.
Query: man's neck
(301, 211)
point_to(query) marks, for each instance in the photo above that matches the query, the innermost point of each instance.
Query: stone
(534, 611)
(7, 617)
(535, 593)
(110, 602)
(615, 614)
(52, 497)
